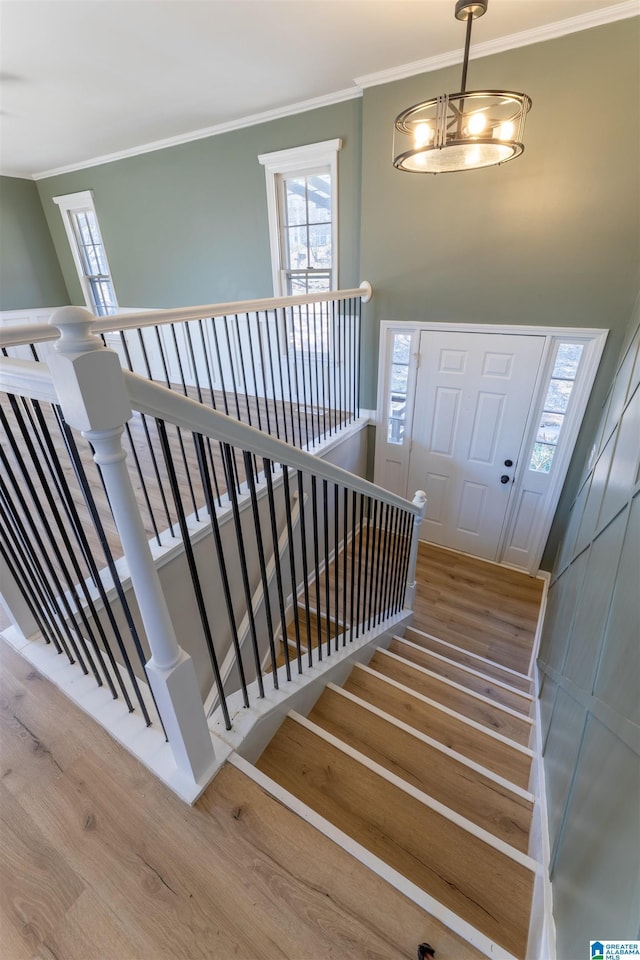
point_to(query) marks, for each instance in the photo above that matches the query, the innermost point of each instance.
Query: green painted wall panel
(188, 224)
(30, 274)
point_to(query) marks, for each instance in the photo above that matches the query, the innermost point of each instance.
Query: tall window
(302, 207)
(89, 255)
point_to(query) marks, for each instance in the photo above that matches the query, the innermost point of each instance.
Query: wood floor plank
(237, 876)
(501, 758)
(450, 671)
(477, 882)
(513, 727)
(474, 796)
(488, 609)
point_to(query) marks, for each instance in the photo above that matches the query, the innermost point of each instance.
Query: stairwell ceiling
(86, 79)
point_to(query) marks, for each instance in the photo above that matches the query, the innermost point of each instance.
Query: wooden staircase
(422, 757)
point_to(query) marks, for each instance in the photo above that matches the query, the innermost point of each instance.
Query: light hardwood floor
(101, 862)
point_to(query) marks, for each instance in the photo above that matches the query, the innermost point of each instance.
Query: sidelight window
(565, 370)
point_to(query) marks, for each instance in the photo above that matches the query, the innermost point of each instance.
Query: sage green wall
(552, 238)
(30, 274)
(590, 673)
(188, 224)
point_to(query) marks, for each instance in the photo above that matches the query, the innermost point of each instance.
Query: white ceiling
(86, 79)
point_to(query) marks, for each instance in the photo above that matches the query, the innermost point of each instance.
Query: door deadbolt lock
(508, 463)
(504, 478)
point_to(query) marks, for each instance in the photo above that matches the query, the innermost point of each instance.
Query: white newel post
(92, 392)
(419, 500)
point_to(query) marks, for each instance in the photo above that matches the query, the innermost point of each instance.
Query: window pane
(567, 360)
(296, 201)
(542, 457)
(320, 245)
(319, 198)
(399, 376)
(297, 245)
(395, 433)
(558, 395)
(401, 347)
(549, 429)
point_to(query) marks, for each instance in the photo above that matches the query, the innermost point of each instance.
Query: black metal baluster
(268, 469)
(233, 479)
(262, 563)
(207, 362)
(136, 459)
(64, 537)
(263, 371)
(384, 567)
(305, 565)
(361, 571)
(240, 540)
(358, 334)
(226, 589)
(389, 563)
(61, 595)
(354, 498)
(292, 564)
(327, 598)
(374, 555)
(310, 376)
(36, 573)
(336, 559)
(27, 586)
(279, 319)
(297, 379)
(316, 561)
(193, 569)
(404, 567)
(323, 360)
(363, 566)
(345, 519)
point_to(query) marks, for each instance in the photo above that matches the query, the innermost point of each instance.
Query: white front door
(472, 401)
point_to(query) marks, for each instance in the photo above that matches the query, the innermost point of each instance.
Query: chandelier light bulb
(423, 135)
(476, 123)
(505, 131)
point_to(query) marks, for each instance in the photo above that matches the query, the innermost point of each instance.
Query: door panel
(473, 396)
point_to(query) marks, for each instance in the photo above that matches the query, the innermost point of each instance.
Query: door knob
(508, 463)
(504, 478)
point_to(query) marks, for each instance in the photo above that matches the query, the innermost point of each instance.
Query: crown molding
(551, 31)
(251, 121)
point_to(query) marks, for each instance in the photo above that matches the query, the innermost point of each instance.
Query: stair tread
(516, 728)
(405, 648)
(479, 883)
(489, 667)
(502, 758)
(474, 796)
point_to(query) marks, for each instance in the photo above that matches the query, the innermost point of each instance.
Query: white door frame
(594, 342)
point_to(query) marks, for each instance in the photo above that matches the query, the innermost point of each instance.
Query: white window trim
(71, 203)
(299, 160)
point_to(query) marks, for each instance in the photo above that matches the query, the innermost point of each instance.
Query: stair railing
(351, 559)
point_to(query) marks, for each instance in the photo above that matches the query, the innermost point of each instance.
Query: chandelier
(461, 131)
